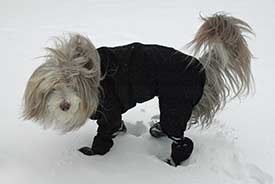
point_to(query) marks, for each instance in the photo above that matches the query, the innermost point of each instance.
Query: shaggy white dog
(66, 90)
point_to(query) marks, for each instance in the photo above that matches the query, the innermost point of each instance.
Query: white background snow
(238, 148)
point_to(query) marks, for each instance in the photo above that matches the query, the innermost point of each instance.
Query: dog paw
(87, 151)
(170, 162)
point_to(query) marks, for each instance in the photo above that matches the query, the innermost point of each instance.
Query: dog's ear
(79, 45)
(84, 49)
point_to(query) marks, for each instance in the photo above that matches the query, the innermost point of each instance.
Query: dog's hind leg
(180, 89)
(174, 116)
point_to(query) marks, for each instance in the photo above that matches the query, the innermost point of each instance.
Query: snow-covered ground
(238, 148)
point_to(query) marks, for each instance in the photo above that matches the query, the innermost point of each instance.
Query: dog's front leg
(108, 128)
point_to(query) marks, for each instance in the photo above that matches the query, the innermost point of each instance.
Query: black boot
(181, 150)
(156, 131)
(101, 145)
(103, 142)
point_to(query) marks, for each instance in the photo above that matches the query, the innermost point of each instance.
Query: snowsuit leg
(180, 89)
(109, 123)
(181, 85)
(174, 115)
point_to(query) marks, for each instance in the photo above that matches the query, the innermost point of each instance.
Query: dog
(79, 81)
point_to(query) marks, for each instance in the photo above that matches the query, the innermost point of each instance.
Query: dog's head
(63, 92)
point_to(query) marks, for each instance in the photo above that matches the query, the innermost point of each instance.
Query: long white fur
(71, 72)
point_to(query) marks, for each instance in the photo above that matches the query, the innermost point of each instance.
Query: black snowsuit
(136, 73)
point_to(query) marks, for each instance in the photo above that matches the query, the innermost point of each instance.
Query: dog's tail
(220, 43)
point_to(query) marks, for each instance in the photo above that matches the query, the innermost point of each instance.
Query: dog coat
(136, 73)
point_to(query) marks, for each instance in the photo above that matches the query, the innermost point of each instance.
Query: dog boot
(101, 145)
(103, 142)
(156, 131)
(87, 151)
(181, 151)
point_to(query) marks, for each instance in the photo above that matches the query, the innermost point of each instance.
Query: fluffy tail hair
(222, 49)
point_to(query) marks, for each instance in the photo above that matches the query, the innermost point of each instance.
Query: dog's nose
(65, 105)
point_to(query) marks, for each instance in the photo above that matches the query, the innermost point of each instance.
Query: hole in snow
(138, 129)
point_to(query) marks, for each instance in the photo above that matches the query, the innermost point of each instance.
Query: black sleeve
(110, 109)
(108, 122)
(110, 119)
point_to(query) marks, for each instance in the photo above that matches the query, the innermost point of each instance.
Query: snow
(239, 148)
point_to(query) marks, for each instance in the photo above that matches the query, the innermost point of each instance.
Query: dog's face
(63, 92)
